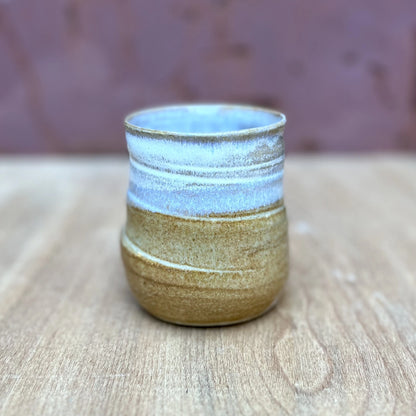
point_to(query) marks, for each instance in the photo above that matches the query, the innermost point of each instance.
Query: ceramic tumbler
(205, 241)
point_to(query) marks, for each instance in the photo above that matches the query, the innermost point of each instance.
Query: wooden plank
(342, 340)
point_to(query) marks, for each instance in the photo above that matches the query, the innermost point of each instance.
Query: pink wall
(344, 72)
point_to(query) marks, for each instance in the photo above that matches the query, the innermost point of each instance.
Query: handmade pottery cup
(205, 242)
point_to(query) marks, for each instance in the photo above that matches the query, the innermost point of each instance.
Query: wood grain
(342, 340)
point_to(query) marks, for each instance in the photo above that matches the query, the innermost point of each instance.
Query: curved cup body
(205, 242)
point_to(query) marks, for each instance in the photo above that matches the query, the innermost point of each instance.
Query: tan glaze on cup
(205, 241)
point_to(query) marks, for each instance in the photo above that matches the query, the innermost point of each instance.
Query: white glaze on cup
(180, 171)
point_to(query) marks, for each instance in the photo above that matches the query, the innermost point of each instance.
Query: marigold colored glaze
(205, 242)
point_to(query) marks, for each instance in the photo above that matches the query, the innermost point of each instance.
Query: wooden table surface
(342, 341)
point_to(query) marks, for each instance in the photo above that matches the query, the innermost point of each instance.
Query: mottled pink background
(344, 72)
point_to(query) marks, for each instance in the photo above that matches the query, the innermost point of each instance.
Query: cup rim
(243, 134)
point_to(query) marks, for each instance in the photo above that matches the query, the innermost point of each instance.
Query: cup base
(194, 296)
(219, 324)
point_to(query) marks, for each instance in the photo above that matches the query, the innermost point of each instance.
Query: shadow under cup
(205, 242)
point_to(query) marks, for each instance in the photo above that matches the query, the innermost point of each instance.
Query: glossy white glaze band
(198, 160)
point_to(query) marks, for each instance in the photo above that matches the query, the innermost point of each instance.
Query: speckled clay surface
(205, 241)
